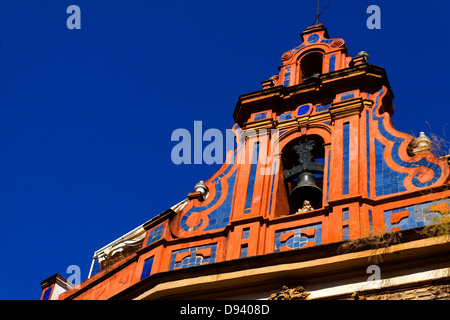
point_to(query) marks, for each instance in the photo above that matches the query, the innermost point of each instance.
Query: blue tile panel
(387, 181)
(348, 95)
(327, 41)
(260, 116)
(287, 76)
(418, 215)
(251, 180)
(328, 173)
(286, 116)
(313, 38)
(275, 169)
(395, 151)
(155, 234)
(368, 151)
(147, 270)
(346, 159)
(245, 233)
(303, 109)
(332, 63)
(220, 217)
(47, 293)
(298, 240)
(322, 107)
(297, 48)
(193, 259)
(244, 251)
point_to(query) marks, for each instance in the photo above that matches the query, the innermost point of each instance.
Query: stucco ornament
(297, 293)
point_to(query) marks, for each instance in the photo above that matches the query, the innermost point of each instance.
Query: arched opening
(311, 65)
(303, 157)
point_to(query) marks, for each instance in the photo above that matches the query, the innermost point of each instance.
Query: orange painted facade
(371, 183)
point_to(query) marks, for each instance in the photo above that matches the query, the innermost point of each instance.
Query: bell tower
(336, 144)
(317, 163)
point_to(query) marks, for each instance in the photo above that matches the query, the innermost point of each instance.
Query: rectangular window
(245, 233)
(345, 214)
(147, 270)
(370, 221)
(244, 248)
(345, 233)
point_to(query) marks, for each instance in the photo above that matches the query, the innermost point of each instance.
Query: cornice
(364, 77)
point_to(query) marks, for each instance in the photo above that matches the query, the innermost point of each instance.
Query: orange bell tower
(318, 163)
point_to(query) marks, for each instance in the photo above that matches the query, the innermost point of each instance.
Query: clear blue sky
(86, 115)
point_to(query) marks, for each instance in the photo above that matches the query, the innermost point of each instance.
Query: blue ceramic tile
(332, 63)
(156, 233)
(348, 95)
(251, 181)
(346, 158)
(297, 48)
(322, 107)
(147, 270)
(418, 215)
(47, 293)
(313, 38)
(298, 240)
(286, 116)
(328, 173)
(260, 116)
(303, 109)
(223, 212)
(395, 151)
(193, 259)
(368, 151)
(275, 168)
(287, 73)
(387, 181)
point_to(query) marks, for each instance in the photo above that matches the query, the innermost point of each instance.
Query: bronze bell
(306, 189)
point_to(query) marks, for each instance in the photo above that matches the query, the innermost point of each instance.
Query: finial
(316, 21)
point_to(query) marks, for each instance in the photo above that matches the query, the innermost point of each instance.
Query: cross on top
(316, 21)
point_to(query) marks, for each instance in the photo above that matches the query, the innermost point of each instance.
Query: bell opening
(308, 184)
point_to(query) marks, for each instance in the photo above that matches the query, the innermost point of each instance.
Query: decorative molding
(297, 293)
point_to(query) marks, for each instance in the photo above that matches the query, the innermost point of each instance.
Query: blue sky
(86, 116)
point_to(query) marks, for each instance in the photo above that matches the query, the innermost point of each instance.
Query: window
(245, 233)
(311, 64)
(244, 248)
